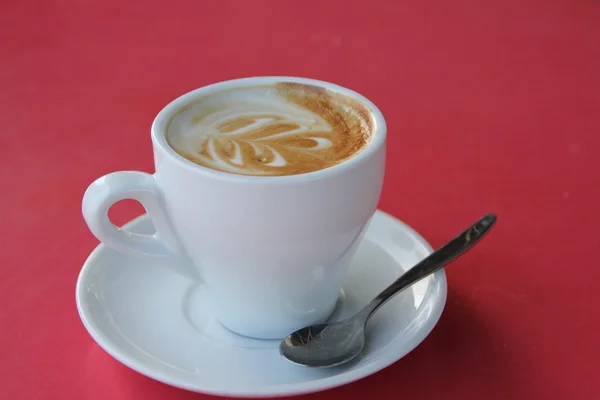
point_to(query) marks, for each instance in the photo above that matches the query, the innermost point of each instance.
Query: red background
(491, 107)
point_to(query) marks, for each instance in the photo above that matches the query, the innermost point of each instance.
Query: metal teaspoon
(335, 343)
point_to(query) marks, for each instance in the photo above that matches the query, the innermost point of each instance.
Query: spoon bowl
(325, 345)
(336, 343)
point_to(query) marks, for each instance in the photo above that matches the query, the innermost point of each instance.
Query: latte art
(282, 129)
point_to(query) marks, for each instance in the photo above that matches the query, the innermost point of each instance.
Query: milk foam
(259, 131)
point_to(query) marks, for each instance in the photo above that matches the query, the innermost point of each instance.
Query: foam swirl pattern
(281, 129)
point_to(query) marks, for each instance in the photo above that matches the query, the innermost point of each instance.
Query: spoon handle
(433, 262)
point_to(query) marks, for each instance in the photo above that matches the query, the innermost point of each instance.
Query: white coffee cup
(272, 250)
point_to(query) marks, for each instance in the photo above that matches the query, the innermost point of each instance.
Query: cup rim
(158, 131)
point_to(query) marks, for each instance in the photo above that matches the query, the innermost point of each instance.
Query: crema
(281, 129)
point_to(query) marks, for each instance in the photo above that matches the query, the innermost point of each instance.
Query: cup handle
(140, 186)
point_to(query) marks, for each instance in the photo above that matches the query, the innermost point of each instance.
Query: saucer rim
(262, 391)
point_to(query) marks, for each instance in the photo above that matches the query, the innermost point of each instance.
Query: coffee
(270, 251)
(281, 129)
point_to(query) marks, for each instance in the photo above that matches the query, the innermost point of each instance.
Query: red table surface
(491, 107)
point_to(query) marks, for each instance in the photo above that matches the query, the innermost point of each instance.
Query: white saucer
(159, 324)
